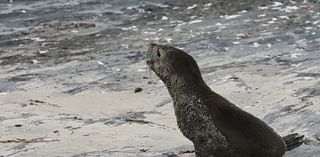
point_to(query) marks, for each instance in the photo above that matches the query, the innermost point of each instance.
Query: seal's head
(171, 64)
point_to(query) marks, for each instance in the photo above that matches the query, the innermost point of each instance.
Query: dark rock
(137, 90)
(18, 125)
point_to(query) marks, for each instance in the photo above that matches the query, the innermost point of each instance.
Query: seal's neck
(186, 89)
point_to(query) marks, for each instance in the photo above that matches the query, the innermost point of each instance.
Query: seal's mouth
(149, 62)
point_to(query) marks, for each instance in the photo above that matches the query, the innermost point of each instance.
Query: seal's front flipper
(293, 141)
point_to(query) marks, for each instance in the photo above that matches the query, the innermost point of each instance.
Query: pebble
(34, 61)
(193, 6)
(137, 90)
(255, 44)
(18, 125)
(164, 18)
(99, 62)
(43, 52)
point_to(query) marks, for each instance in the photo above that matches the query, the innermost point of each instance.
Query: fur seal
(216, 127)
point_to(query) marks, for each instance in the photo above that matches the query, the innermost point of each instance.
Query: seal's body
(216, 127)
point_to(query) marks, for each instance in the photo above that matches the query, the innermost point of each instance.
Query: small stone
(100, 63)
(195, 21)
(193, 6)
(137, 90)
(243, 35)
(18, 125)
(234, 78)
(228, 17)
(269, 46)
(143, 150)
(34, 61)
(208, 5)
(164, 18)
(277, 4)
(43, 52)
(255, 44)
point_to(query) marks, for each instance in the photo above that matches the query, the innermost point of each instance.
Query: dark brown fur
(216, 127)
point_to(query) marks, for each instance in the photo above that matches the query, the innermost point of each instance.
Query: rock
(137, 90)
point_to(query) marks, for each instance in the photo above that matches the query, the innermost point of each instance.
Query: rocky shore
(73, 78)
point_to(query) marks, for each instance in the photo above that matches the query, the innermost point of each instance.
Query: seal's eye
(158, 53)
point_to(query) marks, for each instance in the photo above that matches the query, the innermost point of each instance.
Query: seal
(217, 127)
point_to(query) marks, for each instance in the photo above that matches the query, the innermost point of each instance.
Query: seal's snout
(150, 54)
(151, 47)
